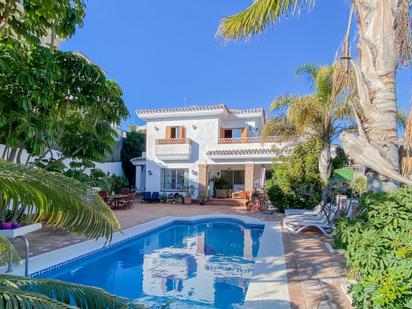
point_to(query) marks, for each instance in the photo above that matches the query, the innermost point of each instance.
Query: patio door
(236, 179)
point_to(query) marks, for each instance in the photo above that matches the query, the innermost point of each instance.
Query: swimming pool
(204, 264)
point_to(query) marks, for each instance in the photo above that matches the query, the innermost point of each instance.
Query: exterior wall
(108, 167)
(203, 133)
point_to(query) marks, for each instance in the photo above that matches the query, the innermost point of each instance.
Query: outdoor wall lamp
(194, 127)
(194, 172)
(156, 128)
(150, 173)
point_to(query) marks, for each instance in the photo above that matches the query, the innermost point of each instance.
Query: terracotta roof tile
(218, 107)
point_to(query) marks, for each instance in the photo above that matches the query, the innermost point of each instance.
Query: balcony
(252, 140)
(173, 149)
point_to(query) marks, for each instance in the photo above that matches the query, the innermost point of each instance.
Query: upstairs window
(175, 132)
(234, 133)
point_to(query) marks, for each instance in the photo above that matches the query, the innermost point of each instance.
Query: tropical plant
(65, 203)
(221, 183)
(55, 100)
(116, 183)
(378, 250)
(406, 168)
(321, 115)
(133, 147)
(384, 43)
(33, 19)
(296, 181)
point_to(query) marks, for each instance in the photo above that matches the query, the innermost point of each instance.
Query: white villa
(193, 145)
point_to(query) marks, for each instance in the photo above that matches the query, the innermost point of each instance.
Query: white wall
(204, 134)
(111, 167)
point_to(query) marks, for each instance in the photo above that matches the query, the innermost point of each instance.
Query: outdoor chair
(155, 197)
(105, 196)
(147, 196)
(128, 202)
(124, 191)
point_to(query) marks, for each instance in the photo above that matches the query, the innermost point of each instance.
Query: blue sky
(164, 53)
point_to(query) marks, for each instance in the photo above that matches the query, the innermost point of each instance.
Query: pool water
(191, 265)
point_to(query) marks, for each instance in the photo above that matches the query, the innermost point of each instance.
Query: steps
(226, 202)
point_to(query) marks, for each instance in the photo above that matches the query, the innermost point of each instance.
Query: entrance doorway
(235, 178)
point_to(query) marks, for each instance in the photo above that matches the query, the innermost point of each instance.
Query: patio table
(115, 201)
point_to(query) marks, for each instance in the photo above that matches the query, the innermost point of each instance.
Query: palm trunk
(325, 167)
(378, 65)
(376, 77)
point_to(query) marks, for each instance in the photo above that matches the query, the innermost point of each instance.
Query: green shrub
(296, 182)
(117, 183)
(378, 248)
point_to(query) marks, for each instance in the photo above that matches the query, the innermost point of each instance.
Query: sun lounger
(296, 211)
(323, 222)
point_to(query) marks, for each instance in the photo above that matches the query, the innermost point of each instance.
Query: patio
(315, 275)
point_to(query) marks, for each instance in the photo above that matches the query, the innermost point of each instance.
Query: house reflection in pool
(206, 263)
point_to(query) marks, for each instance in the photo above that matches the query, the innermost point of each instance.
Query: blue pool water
(192, 265)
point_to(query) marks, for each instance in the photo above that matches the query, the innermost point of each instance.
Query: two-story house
(194, 145)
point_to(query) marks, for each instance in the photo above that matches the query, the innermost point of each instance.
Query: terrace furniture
(155, 197)
(104, 195)
(147, 196)
(323, 222)
(128, 201)
(117, 201)
(124, 191)
(296, 211)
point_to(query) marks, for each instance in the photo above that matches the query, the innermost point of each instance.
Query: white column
(138, 178)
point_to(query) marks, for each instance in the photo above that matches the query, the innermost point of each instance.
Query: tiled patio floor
(315, 275)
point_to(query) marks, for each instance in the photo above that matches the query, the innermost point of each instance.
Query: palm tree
(322, 114)
(66, 204)
(384, 43)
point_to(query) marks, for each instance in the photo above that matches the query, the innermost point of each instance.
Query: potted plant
(189, 192)
(163, 198)
(221, 188)
(202, 198)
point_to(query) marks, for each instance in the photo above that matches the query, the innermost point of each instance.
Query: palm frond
(280, 104)
(65, 292)
(308, 70)
(66, 203)
(258, 16)
(278, 127)
(401, 118)
(15, 298)
(7, 248)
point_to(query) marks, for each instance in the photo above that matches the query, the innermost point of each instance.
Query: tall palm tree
(64, 203)
(384, 43)
(322, 114)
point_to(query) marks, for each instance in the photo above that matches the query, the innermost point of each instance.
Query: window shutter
(182, 132)
(168, 132)
(222, 132)
(244, 135)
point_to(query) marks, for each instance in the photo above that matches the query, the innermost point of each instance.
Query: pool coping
(268, 287)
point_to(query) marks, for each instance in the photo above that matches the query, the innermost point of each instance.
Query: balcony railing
(170, 149)
(173, 141)
(252, 140)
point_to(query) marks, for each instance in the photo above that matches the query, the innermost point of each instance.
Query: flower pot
(6, 225)
(15, 225)
(202, 202)
(188, 200)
